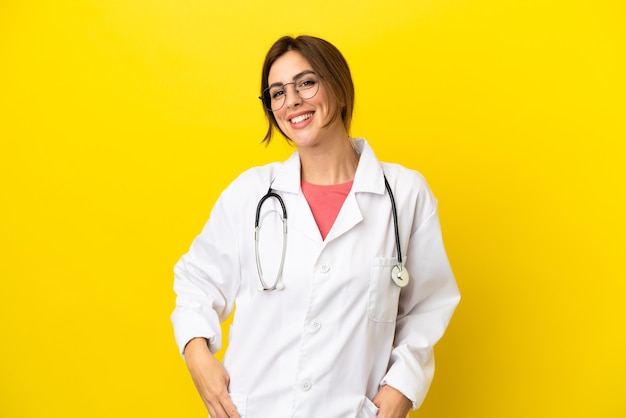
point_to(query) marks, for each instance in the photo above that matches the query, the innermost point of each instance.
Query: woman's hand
(391, 403)
(210, 378)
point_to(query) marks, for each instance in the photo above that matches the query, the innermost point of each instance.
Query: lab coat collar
(369, 172)
(368, 177)
(287, 177)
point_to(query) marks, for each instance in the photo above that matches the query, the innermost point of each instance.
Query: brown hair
(327, 62)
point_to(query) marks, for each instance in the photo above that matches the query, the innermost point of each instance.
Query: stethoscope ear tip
(280, 286)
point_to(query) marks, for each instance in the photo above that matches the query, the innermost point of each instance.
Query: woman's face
(303, 120)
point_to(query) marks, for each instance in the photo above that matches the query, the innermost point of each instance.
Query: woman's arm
(391, 403)
(210, 378)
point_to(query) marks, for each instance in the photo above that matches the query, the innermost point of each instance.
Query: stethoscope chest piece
(400, 276)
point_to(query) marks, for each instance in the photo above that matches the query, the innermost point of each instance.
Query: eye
(306, 83)
(277, 93)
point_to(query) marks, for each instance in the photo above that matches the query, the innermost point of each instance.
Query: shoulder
(395, 173)
(260, 175)
(411, 190)
(250, 184)
(406, 179)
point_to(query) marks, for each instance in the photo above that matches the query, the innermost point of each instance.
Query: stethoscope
(399, 274)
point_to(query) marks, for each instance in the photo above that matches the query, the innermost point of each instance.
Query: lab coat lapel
(349, 216)
(299, 215)
(367, 179)
(303, 220)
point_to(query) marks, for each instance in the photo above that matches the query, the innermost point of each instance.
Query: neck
(335, 163)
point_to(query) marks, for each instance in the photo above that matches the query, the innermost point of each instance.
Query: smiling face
(307, 122)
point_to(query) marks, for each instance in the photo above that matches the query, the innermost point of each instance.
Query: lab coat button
(325, 268)
(316, 325)
(306, 385)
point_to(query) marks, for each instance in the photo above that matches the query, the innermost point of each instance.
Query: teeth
(301, 118)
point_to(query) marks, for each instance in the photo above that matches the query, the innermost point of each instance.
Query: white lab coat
(340, 329)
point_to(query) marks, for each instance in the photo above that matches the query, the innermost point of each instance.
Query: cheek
(329, 110)
(322, 100)
(279, 117)
(281, 122)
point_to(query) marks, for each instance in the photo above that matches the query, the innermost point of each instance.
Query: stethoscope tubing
(278, 283)
(269, 194)
(394, 213)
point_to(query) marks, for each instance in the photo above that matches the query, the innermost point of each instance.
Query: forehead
(287, 66)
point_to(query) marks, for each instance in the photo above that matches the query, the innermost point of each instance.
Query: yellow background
(122, 120)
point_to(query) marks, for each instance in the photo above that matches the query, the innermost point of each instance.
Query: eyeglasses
(306, 86)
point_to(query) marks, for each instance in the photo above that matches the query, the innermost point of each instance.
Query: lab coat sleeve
(206, 280)
(425, 308)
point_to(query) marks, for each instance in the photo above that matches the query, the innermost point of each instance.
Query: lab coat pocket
(383, 294)
(241, 403)
(368, 409)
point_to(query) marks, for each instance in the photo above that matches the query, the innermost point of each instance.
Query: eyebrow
(295, 77)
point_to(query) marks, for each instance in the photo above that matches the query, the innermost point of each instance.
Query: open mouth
(301, 118)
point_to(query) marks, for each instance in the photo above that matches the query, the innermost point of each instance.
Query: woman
(322, 328)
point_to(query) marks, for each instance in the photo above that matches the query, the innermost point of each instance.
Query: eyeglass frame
(295, 78)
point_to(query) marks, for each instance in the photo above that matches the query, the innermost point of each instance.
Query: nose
(293, 99)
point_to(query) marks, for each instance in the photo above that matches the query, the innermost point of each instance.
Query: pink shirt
(325, 202)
